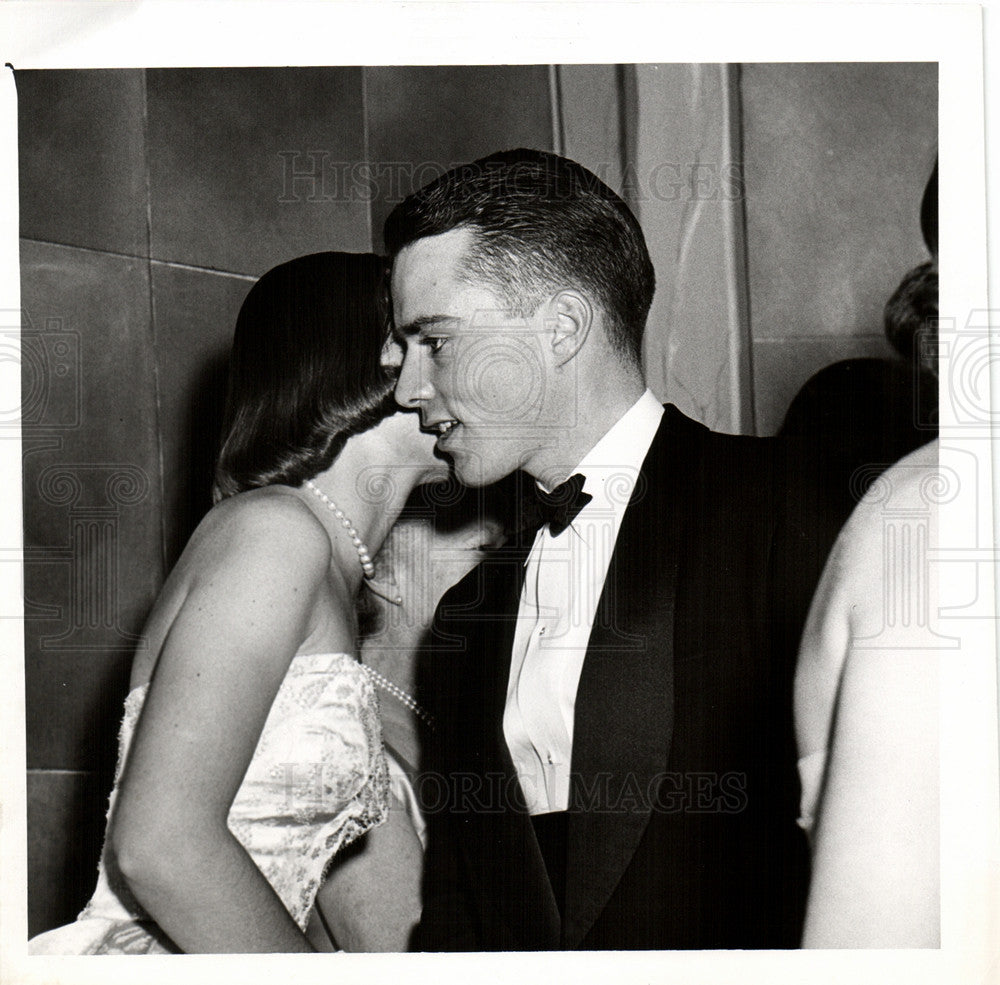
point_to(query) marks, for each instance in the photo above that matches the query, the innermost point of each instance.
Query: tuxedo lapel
(624, 706)
(514, 895)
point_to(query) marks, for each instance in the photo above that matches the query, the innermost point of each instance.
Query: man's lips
(442, 429)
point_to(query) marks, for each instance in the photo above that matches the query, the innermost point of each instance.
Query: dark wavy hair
(911, 316)
(538, 221)
(305, 371)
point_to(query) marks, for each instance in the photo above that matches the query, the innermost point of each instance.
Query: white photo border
(167, 33)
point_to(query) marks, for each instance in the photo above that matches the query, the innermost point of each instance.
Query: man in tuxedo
(614, 765)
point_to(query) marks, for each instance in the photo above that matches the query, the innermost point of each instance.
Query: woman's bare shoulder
(266, 535)
(874, 574)
(270, 526)
(902, 488)
(899, 501)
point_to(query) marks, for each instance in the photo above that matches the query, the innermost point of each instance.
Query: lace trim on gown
(317, 780)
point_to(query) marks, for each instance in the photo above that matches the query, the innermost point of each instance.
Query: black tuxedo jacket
(684, 794)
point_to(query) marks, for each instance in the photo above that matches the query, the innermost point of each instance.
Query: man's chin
(472, 478)
(437, 474)
(475, 461)
(470, 471)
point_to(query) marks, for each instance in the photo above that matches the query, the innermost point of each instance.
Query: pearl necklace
(369, 569)
(400, 695)
(363, 556)
(367, 566)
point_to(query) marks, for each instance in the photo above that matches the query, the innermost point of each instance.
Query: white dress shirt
(564, 578)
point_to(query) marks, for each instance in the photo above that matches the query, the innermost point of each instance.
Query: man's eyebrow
(414, 327)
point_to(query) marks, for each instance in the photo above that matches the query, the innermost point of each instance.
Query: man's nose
(413, 387)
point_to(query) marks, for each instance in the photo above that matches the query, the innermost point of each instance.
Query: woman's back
(317, 776)
(866, 708)
(245, 531)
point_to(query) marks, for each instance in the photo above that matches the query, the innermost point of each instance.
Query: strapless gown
(318, 779)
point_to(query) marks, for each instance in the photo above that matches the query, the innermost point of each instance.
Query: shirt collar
(620, 452)
(624, 446)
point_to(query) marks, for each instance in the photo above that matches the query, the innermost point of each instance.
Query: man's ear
(573, 317)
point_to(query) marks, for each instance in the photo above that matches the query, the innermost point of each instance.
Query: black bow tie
(560, 507)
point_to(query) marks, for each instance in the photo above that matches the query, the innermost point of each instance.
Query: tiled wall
(151, 199)
(836, 158)
(149, 202)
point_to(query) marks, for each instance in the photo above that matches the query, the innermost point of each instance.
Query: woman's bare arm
(370, 900)
(871, 675)
(246, 613)
(876, 856)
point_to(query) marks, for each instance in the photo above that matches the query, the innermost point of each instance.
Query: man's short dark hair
(539, 222)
